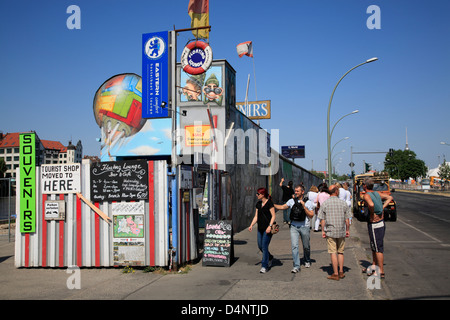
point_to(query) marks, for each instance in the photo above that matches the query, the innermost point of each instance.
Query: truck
(381, 185)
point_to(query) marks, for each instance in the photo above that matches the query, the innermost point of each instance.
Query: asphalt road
(417, 247)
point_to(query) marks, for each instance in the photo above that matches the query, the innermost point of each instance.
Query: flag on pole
(245, 48)
(198, 10)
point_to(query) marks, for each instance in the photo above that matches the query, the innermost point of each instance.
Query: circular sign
(155, 47)
(196, 57)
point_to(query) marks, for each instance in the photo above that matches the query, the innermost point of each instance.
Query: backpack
(298, 213)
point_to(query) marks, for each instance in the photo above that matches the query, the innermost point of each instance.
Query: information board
(119, 180)
(293, 152)
(218, 243)
(60, 178)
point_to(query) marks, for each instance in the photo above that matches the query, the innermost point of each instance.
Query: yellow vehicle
(381, 185)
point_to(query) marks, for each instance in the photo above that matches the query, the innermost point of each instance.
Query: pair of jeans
(286, 214)
(263, 245)
(296, 233)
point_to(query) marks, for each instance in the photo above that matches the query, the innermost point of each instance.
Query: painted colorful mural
(118, 113)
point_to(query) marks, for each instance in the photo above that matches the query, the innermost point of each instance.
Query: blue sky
(49, 74)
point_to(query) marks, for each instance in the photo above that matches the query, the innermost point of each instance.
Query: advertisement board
(27, 182)
(293, 152)
(155, 74)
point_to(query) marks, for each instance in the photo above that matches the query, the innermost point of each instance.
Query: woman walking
(265, 217)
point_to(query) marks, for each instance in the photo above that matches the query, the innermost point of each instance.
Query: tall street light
(328, 115)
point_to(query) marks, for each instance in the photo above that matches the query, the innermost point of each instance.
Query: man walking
(300, 216)
(376, 225)
(288, 192)
(334, 214)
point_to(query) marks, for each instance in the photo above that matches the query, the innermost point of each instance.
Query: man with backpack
(301, 213)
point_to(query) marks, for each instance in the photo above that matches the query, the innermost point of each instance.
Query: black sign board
(293, 152)
(218, 243)
(119, 181)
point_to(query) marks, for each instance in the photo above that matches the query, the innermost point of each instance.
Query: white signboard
(55, 210)
(60, 178)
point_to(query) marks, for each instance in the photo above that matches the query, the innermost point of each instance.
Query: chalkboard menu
(119, 181)
(218, 243)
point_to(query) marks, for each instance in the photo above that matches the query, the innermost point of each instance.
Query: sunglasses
(215, 90)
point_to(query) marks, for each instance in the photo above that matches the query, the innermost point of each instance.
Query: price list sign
(218, 243)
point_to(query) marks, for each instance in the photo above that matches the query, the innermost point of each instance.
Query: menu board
(119, 181)
(218, 243)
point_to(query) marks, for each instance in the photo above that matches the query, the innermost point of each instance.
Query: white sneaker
(295, 270)
(307, 264)
(263, 270)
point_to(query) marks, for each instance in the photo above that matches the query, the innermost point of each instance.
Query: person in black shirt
(288, 192)
(265, 217)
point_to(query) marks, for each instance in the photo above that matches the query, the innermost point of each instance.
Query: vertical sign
(27, 183)
(155, 74)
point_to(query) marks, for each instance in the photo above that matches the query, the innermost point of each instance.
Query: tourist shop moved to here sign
(27, 182)
(60, 178)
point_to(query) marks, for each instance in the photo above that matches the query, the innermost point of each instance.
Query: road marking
(423, 232)
(431, 216)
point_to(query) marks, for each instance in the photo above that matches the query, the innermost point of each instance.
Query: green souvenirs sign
(27, 183)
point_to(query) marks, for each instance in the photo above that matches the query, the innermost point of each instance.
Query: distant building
(47, 152)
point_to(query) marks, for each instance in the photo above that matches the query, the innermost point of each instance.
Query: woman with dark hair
(323, 195)
(265, 217)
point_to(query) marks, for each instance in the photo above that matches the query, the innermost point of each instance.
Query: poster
(128, 233)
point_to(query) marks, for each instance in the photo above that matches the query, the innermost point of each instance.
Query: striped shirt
(334, 211)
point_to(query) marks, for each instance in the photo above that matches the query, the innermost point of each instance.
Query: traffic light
(391, 152)
(368, 165)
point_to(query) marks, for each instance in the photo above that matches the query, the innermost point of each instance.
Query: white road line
(422, 232)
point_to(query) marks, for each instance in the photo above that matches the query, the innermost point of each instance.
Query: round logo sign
(155, 47)
(196, 57)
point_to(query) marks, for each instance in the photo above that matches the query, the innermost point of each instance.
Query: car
(381, 185)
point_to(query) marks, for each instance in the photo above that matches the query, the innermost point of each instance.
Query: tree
(2, 167)
(444, 171)
(402, 164)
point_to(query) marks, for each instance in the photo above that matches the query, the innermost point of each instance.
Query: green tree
(403, 164)
(444, 171)
(2, 167)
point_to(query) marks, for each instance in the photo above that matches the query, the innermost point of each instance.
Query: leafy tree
(444, 171)
(403, 164)
(2, 167)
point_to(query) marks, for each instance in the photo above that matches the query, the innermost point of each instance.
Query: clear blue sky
(49, 74)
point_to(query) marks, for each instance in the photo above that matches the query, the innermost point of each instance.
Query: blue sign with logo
(155, 74)
(293, 152)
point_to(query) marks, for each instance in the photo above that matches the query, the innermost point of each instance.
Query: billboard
(155, 74)
(255, 109)
(293, 152)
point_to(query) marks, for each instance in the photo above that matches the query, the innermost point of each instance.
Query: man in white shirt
(301, 214)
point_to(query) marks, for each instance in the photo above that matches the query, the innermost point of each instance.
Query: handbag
(275, 226)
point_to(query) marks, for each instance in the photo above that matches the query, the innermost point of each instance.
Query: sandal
(364, 270)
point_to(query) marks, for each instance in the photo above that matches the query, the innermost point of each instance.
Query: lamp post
(328, 115)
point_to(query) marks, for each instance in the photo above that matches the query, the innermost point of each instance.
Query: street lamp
(445, 143)
(338, 142)
(328, 115)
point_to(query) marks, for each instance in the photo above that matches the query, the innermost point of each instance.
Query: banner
(155, 74)
(27, 182)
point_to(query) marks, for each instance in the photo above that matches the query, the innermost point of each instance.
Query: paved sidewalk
(240, 281)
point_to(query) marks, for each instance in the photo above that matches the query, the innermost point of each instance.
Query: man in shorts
(334, 214)
(376, 202)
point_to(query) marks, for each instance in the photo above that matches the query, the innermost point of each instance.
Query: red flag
(198, 10)
(245, 48)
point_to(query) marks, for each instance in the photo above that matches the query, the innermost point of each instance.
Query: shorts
(376, 235)
(335, 245)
